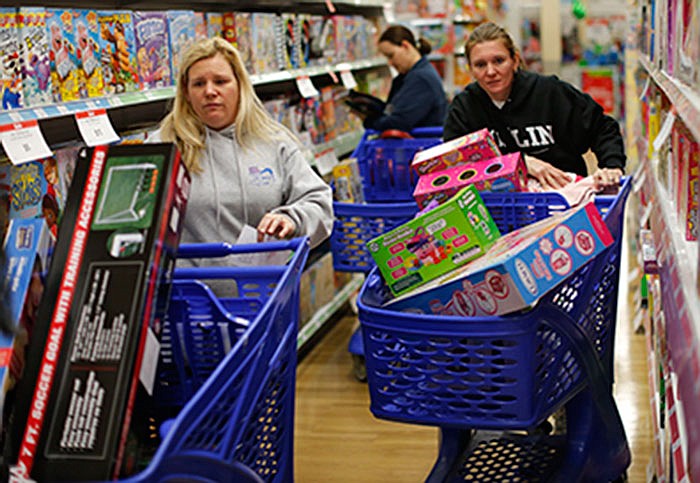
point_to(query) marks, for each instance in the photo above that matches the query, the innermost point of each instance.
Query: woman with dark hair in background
(416, 98)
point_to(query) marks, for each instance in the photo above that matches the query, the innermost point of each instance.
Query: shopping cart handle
(395, 134)
(205, 250)
(427, 132)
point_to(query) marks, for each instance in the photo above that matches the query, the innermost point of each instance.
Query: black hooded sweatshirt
(544, 117)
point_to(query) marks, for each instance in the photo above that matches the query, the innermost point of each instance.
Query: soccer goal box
(95, 343)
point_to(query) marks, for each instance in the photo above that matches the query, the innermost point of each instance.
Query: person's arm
(308, 200)
(604, 138)
(408, 107)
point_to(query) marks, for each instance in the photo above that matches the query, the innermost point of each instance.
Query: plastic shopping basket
(509, 372)
(231, 362)
(385, 163)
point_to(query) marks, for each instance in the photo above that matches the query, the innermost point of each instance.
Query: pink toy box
(520, 267)
(470, 148)
(504, 173)
(434, 242)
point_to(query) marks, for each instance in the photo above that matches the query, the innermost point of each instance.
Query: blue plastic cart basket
(231, 362)
(385, 163)
(508, 373)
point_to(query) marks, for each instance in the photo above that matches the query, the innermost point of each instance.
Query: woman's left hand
(607, 177)
(277, 225)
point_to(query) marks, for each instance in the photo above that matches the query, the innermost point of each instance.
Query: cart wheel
(359, 369)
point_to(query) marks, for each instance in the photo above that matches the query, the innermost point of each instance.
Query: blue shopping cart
(488, 382)
(228, 365)
(387, 183)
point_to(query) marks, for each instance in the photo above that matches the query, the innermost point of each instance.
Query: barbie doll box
(520, 267)
(434, 242)
(98, 324)
(470, 148)
(504, 173)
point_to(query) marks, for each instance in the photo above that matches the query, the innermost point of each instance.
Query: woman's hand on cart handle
(548, 176)
(607, 178)
(276, 225)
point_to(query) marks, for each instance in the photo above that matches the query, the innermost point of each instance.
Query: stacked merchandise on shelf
(79, 53)
(669, 190)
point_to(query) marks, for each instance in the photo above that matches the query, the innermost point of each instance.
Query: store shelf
(326, 313)
(289, 75)
(306, 6)
(684, 99)
(343, 144)
(678, 261)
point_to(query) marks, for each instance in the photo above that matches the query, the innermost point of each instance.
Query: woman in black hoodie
(547, 119)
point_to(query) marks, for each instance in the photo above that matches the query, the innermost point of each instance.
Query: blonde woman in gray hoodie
(247, 169)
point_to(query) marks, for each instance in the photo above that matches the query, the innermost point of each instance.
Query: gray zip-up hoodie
(238, 186)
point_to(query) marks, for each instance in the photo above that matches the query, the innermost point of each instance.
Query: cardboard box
(470, 148)
(28, 248)
(101, 314)
(504, 173)
(520, 268)
(434, 242)
(347, 182)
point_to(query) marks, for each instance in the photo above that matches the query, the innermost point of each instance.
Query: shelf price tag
(348, 79)
(95, 127)
(306, 87)
(325, 161)
(24, 142)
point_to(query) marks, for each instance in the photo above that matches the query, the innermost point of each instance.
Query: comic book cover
(264, 44)
(200, 26)
(244, 40)
(152, 49)
(65, 75)
(182, 35)
(215, 24)
(118, 47)
(36, 66)
(87, 42)
(10, 67)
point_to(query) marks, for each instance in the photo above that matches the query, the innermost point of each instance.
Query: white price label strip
(665, 131)
(326, 161)
(348, 79)
(95, 127)
(306, 87)
(24, 142)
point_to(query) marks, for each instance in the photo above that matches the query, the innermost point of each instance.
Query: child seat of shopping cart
(228, 369)
(384, 160)
(488, 382)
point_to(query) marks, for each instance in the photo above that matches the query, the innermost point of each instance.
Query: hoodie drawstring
(210, 159)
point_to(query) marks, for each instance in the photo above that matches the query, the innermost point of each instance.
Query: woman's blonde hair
(187, 131)
(487, 32)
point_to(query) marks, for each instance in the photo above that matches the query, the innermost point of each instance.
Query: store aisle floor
(339, 441)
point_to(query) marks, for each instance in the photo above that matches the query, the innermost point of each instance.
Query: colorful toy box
(470, 148)
(435, 242)
(28, 249)
(504, 173)
(519, 268)
(152, 49)
(348, 182)
(86, 31)
(118, 45)
(36, 67)
(94, 346)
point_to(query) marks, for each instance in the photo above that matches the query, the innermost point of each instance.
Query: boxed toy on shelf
(517, 270)
(36, 71)
(118, 46)
(347, 182)
(469, 148)
(65, 75)
(86, 30)
(95, 340)
(182, 36)
(434, 242)
(503, 173)
(152, 49)
(11, 65)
